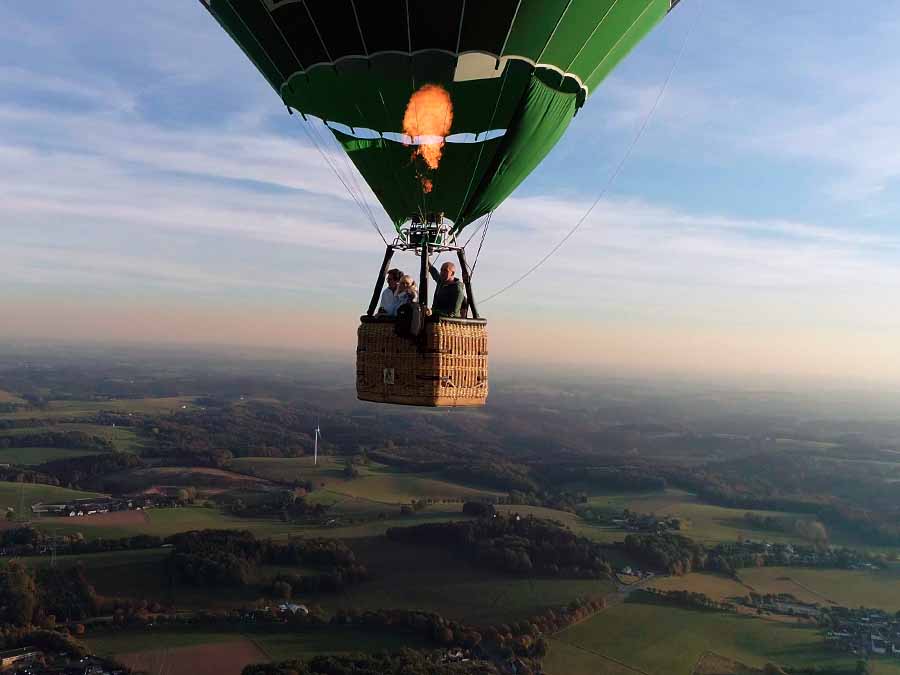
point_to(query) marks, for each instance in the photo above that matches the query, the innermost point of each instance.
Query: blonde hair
(412, 289)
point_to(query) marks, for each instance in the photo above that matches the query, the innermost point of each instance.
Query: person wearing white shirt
(389, 300)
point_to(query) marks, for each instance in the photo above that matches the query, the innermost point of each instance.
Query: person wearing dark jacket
(449, 295)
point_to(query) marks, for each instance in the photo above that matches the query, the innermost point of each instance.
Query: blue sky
(153, 188)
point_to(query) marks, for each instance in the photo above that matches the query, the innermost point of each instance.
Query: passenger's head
(448, 271)
(407, 285)
(393, 278)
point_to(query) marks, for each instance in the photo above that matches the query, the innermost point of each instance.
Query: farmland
(665, 640)
(64, 409)
(31, 493)
(849, 588)
(225, 652)
(122, 438)
(703, 522)
(209, 658)
(412, 577)
(715, 586)
(201, 429)
(375, 483)
(32, 456)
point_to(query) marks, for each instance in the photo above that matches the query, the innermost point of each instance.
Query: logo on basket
(389, 376)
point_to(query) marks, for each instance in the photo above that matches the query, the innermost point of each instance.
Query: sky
(154, 190)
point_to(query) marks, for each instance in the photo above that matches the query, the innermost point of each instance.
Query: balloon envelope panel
(516, 72)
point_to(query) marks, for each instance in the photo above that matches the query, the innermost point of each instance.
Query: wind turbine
(318, 434)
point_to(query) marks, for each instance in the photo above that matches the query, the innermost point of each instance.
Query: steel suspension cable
(616, 171)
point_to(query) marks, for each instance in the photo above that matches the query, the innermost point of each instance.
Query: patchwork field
(664, 640)
(849, 588)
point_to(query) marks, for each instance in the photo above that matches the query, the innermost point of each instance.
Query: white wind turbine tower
(318, 434)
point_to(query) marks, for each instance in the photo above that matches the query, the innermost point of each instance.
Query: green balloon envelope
(516, 72)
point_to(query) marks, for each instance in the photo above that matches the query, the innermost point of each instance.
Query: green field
(122, 438)
(124, 642)
(715, 586)
(376, 483)
(664, 640)
(333, 640)
(165, 522)
(31, 456)
(417, 577)
(849, 588)
(98, 564)
(277, 642)
(403, 576)
(703, 522)
(32, 493)
(70, 409)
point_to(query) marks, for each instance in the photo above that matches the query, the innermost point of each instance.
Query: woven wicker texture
(445, 366)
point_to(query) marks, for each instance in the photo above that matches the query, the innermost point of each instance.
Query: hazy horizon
(154, 191)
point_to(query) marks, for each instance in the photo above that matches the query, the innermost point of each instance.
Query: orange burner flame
(429, 113)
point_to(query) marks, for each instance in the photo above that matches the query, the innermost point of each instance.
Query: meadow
(11, 494)
(702, 522)
(63, 409)
(376, 483)
(402, 576)
(122, 438)
(663, 640)
(715, 586)
(32, 456)
(848, 588)
(421, 577)
(184, 650)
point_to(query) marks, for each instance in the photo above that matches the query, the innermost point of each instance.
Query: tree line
(222, 558)
(512, 544)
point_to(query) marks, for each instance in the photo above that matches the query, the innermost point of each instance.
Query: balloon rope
(616, 171)
(337, 173)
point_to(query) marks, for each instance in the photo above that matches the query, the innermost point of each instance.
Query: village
(33, 661)
(750, 553)
(91, 506)
(863, 631)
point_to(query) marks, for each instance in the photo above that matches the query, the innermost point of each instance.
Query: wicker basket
(445, 366)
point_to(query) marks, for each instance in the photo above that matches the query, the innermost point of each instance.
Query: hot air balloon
(444, 107)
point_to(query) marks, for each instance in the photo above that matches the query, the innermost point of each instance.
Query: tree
(350, 471)
(18, 595)
(282, 590)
